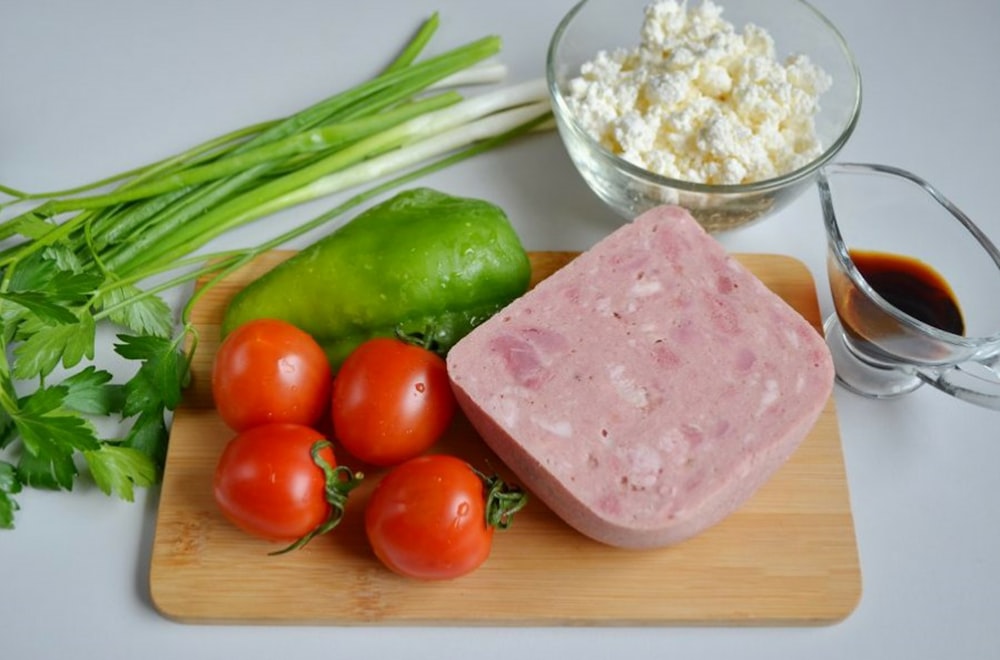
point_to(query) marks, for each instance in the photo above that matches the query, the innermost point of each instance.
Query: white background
(88, 89)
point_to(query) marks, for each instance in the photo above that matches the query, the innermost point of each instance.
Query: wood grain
(788, 556)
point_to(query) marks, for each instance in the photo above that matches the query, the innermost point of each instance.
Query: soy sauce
(913, 287)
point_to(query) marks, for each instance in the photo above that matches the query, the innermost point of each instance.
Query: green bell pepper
(422, 263)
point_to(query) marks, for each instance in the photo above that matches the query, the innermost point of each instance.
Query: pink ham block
(648, 388)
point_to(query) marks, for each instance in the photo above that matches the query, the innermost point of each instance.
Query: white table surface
(88, 89)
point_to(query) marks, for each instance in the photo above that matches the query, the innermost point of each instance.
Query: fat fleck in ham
(647, 389)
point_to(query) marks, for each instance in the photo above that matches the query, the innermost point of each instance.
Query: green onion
(402, 146)
(316, 139)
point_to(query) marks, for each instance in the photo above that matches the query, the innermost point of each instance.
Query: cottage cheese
(698, 100)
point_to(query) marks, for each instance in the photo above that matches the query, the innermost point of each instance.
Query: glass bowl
(796, 28)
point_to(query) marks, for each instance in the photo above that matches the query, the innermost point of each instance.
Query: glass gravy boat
(915, 285)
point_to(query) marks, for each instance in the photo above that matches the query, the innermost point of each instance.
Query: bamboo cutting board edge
(788, 557)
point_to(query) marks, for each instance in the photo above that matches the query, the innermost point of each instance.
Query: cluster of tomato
(429, 516)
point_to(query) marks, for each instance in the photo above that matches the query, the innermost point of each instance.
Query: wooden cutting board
(788, 556)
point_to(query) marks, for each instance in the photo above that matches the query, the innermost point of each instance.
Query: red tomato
(428, 518)
(269, 484)
(269, 371)
(391, 401)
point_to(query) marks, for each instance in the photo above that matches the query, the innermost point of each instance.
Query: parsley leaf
(161, 377)
(144, 315)
(47, 345)
(7, 429)
(31, 274)
(47, 430)
(9, 484)
(61, 278)
(34, 224)
(41, 305)
(155, 388)
(72, 287)
(149, 434)
(65, 258)
(90, 391)
(54, 469)
(118, 469)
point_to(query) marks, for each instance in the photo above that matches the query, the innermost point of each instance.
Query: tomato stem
(340, 481)
(502, 501)
(424, 340)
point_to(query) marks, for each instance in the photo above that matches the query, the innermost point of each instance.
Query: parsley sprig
(48, 435)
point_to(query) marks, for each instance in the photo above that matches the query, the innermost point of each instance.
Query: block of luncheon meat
(648, 388)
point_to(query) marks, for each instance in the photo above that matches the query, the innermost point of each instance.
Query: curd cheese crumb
(698, 100)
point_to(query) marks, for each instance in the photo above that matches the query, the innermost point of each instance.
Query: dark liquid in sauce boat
(912, 287)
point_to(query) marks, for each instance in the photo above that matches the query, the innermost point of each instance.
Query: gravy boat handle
(974, 382)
